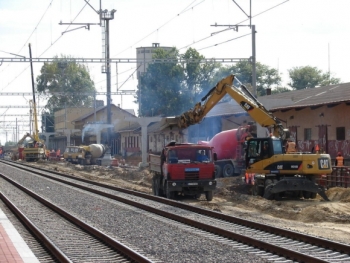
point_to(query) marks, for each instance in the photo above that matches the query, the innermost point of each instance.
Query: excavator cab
(258, 149)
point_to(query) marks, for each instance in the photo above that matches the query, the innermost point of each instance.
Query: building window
(340, 133)
(307, 134)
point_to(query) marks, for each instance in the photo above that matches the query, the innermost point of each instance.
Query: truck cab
(71, 154)
(186, 169)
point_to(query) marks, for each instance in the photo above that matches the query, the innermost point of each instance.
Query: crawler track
(288, 244)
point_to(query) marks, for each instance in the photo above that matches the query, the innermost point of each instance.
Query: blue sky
(295, 33)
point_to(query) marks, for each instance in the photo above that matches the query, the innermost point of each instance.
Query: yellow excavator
(276, 173)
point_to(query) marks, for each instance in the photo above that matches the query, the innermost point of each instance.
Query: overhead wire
(46, 48)
(183, 11)
(225, 41)
(35, 28)
(196, 42)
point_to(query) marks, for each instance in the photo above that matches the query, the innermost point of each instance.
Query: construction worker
(317, 148)
(47, 153)
(290, 147)
(339, 160)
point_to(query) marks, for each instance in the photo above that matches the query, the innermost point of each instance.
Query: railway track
(64, 236)
(256, 238)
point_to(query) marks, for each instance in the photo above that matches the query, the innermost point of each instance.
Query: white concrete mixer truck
(84, 155)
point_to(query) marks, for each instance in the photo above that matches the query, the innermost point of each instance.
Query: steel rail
(118, 246)
(38, 235)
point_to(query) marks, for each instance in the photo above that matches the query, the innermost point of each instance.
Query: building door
(322, 138)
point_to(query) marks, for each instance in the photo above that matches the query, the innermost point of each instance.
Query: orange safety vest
(340, 160)
(317, 147)
(291, 147)
(249, 178)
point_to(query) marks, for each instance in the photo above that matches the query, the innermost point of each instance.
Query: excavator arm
(25, 136)
(243, 97)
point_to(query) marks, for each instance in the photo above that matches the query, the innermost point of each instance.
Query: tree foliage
(67, 77)
(199, 76)
(266, 77)
(170, 88)
(309, 77)
(280, 90)
(161, 88)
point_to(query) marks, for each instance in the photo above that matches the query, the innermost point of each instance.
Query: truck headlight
(174, 184)
(210, 183)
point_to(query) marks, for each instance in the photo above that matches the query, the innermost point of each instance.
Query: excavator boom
(243, 97)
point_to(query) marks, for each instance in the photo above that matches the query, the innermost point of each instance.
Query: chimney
(268, 91)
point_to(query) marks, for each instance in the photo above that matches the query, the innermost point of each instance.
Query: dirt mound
(339, 194)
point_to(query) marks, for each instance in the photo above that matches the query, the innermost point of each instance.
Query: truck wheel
(217, 171)
(168, 193)
(155, 185)
(257, 190)
(306, 194)
(209, 195)
(228, 170)
(277, 196)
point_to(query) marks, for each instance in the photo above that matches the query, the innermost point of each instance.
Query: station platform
(13, 249)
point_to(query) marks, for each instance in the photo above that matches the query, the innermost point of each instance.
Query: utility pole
(253, 62)
(253, 57)
(105, 16)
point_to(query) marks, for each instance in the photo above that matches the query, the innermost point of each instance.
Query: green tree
(280, 90)
(66, 76)
(161, 89)
(266, 77)
(172, 88)
(309, 77)
(199, 76)
(10, 143)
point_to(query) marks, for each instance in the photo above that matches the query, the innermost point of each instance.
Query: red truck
(184, 168)
(230, 149)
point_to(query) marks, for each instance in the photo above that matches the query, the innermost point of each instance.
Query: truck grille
(191, 175)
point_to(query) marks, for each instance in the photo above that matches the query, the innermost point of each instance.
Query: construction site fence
(340, 177)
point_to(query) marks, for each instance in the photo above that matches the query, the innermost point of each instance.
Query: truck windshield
(186, 155)
(71, 150)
